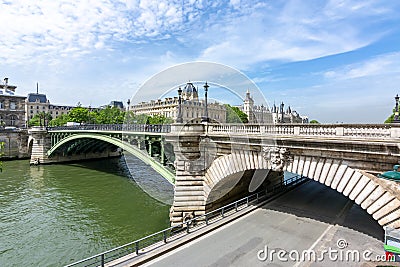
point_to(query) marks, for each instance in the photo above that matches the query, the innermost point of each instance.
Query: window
(12, 105)
(31, 107)
(44, 107)
(13, 119)
(1, 105)
(37, 107)
(31, 111)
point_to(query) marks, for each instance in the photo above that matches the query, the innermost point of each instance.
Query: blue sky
(335, 61)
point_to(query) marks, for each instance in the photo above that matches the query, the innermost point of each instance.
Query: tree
(40, 119)
(78, 114)
(109, 115)
(235, 115)
(60, 120)
(158, 119)
(314, 122)
(390, 119)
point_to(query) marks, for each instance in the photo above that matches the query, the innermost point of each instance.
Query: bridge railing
(150, 128)
(141, 246)
(329, 130)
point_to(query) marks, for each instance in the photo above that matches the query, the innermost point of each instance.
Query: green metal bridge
(147, 142)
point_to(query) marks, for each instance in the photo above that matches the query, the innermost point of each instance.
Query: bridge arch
(380, 198)
(121, 144)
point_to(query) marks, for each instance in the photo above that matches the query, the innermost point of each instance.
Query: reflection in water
(55, 214)
(152, 183)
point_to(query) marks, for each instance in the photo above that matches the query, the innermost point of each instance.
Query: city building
(115, 104)
(262, 114)
(36, 103)
(192, 108)
(12, 106)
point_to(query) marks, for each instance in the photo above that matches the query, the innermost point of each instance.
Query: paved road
(311, 216)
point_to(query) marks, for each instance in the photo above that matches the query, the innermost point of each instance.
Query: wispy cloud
(53, 30)
(240, 33)
(296, 31)
(379, 65)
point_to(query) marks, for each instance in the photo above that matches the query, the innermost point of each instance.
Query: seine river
(53, 215)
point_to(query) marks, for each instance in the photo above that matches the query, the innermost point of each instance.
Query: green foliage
(146, 119)
(314, 122)
(158, 119)
(132, 118)
(78, 114)
(40, 119)
(235, 115)
(60, 120)
(390, 119)
(109, 115)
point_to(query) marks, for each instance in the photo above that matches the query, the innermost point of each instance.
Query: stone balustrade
(327, 130)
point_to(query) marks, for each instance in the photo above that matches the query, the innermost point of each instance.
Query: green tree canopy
(159, 119)
(390, 119)
(109, 115)
(314, 122)
(40, 119)
(78, 114)
(235, 115)
(60, 120)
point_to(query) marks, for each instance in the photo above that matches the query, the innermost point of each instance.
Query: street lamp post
(262, 113)
(396, 111)
(205, 118)
(179, 118)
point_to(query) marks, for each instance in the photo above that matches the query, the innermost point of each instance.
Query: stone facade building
(36, 103)
(192, 107)
(12, 106)
(262, 114)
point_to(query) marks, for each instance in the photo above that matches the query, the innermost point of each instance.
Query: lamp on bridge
(262, 113)
(179, 118)
(128, 102)
(205, 118)
(396, 111)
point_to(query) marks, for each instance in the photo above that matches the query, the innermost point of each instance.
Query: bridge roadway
(312, 216)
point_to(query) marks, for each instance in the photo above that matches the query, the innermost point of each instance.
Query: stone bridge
(215, 164)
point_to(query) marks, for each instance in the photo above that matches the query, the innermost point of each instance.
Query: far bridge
(215, 164)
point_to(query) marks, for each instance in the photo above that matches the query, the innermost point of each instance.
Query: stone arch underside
(381, 199)
(121, 144)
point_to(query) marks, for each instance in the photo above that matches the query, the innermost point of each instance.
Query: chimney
(37, 88)
(6, 81)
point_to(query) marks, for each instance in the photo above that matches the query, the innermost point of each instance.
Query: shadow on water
(133, 168)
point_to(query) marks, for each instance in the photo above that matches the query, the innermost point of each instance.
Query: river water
(53, 215)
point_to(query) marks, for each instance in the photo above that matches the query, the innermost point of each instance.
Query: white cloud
(380, 65)
(295, 31)
(44, 29)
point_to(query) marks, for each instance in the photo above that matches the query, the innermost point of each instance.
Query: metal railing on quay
(138, 247)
